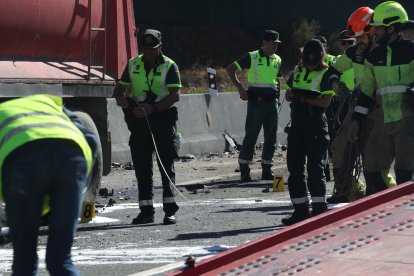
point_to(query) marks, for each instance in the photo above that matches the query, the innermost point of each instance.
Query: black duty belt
(254, 96)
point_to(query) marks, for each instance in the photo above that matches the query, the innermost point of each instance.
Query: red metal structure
(70, 48)
(373, 235)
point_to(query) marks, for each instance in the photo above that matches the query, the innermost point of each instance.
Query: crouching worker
(309, 92)
(45, 155)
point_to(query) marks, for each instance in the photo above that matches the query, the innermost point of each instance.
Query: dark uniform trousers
(260, 113)
(308, 138)
(143, 151)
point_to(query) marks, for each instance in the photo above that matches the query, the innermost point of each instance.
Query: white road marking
(228, 201)
(126, 253)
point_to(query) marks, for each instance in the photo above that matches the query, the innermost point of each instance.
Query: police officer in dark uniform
(150, 113)
(264, 72)
(310, 93)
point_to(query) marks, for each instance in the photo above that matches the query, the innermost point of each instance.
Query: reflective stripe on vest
(392, 89)
(17, 130)
(361, 109)
(29, 114)
(253, 77)
(317, 80)
(139, 80)
(301, 83)
(20, 125)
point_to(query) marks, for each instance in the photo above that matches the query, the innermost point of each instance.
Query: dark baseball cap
(150, 38)
(312, 52)
(343, 35)
(322, 39)
(409, 25)
(272, 36)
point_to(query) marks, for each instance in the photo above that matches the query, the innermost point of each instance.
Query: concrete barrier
(202, 123)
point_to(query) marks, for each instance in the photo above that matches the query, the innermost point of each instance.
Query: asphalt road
(222, 214)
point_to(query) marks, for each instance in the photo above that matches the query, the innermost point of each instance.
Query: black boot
(319, 208)
(267, 173)
(301, 213)
(146, 215)
(245, 174)
(169, 217)
(335, 199)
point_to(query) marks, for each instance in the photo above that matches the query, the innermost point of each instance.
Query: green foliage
(295, 35)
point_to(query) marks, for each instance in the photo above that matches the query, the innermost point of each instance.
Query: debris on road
(103, 192)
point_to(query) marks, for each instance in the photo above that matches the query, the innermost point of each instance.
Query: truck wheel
(93, 182)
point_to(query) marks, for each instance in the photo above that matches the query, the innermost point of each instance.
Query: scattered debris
(193, 187)
(190, 261)
(115, 165)
(111, 202)
(237, 170)
(266, 190)
(232, 142)
(284, 147)
(103, 192)
(129, 166)
(187, 157)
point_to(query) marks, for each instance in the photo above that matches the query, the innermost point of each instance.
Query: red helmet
(358, 22)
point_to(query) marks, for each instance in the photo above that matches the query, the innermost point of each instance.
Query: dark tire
(94, 181)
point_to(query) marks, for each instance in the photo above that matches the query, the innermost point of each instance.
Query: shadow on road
(266, 209)
(86, 228)
(218, 235)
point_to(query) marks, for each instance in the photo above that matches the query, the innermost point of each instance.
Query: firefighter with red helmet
(387, 83)
(344, 155)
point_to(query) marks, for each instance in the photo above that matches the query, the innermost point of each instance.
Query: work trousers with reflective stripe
(259, 113)
(308, 141)
(388, 143)
(143, 152)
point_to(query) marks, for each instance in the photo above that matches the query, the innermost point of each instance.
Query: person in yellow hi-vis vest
(44, 152)
(345, 153)
(151, 116)
(388, 83)
(262, 96)
(309, 92)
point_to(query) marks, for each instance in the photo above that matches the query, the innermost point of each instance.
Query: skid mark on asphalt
(126, 253)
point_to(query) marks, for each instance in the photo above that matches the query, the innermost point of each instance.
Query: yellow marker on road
(88, 211)
(278, 183)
